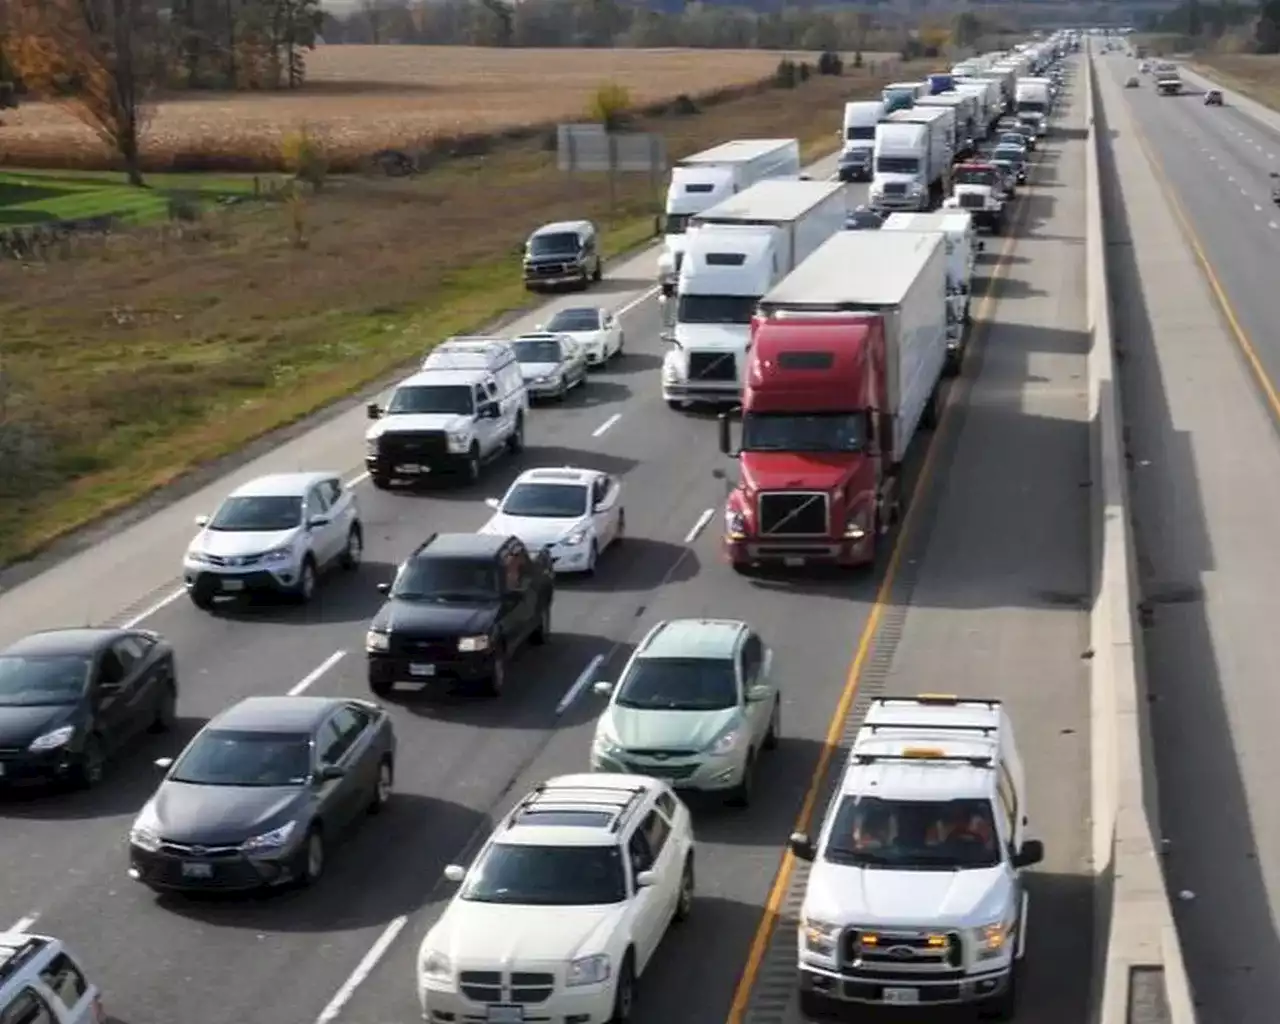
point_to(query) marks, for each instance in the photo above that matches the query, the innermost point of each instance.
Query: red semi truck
(847, 356)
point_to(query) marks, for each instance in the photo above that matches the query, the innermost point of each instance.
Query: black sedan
(72, 698)
(262, 792)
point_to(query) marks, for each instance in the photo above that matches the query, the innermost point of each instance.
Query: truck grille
(422, 446)
(895, 188)
(793, 513)
(521, 986)
(712, 366)
(972, 201)
(549, 269)
(428, 650)
(902, 953)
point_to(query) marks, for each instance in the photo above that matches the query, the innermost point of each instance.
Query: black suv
(460, 607)
(566, 252)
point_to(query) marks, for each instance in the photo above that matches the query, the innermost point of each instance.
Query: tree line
(1253, 27)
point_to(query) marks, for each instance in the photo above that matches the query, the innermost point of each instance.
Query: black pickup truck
(459, 609)
(1275, 187)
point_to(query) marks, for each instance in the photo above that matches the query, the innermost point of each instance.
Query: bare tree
(375, 13)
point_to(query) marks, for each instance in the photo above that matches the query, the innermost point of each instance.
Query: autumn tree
(96, 58)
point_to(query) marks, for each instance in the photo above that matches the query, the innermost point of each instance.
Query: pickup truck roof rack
(939, 700)
(931, 727)
(976, 762)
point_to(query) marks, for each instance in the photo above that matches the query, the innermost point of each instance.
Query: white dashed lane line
(311, 677)
(606, 424)
(699, 526)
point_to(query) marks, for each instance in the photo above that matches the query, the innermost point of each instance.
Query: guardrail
(1139, 975)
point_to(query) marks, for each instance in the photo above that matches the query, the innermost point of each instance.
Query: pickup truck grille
(519, 987)
(972, 200)
(550, 269)
(712, 366)
(902, 953)
(793, 514)
(895, 188)
(427, 650)
(419, 447)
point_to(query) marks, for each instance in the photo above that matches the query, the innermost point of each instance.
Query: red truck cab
(811, 485)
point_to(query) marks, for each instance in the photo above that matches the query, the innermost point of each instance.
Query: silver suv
(274, 534)
(40, 980)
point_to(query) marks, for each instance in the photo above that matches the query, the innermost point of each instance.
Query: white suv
(563, 907)
(276, 534)
(41, 981)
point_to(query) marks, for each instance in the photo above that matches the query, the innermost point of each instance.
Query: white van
(467, 405)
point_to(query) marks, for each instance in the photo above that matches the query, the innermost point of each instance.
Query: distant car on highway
(864, 218)
(71, 699)
(596, 330)
(695, 706)
(565, 252)
(1012, 139)
(572, 514)
(459, 609)
(552, 365)
(1213, 98)
(1132, 82)
(262, 792)
(1013, 160)
(275, 534)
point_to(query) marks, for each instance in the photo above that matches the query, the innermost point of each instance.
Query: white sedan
(574, 513)
(595, 329)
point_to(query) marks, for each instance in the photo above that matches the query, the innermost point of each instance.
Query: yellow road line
(781, 882)
(1215, 285)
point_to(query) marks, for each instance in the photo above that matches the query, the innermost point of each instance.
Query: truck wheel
(814, 1006)
(515, 443)
(472, 471)
(1005, 1005)
(380, 482)
(543, 633)
(929, 418)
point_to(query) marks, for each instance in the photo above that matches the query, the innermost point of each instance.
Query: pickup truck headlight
(819, 936)
(991, 940)
(588, 970)
(374, 641)
(735, 525)
(473, 644)
(371, 446)
(459, 441)
(435, 966)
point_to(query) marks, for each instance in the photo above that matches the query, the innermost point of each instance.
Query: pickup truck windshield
(913, 835)
(445, 579)
(432, 400)
(897, 165)
(809, 432)
(716, 309)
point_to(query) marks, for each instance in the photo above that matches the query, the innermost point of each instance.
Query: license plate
(233, 584)
(196, 870)
(902, 996)
(792, 563)
(410, 467)
(423, 672)
(506, 1014)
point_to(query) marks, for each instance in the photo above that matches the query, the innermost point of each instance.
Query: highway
(988, 599)
(1192, 249)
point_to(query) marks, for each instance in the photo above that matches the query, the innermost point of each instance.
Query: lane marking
(606, 424)
(699, 526)
(782, 881)
(23, 924)
(1231, 179)
(363, 969)
(310, 678)
(585, 679)
(356, 480)
(1272, 225)
(1257, 208)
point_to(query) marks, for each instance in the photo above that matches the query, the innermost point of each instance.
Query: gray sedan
(260, 794)
(551, 364)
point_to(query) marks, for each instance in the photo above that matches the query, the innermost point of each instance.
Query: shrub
(829, 63)
(304, 158)
(610, 106)
(786, 75)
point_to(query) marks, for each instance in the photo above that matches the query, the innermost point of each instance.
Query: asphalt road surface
(988, 601)
(1193, 250)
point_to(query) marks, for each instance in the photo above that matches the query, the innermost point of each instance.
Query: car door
(355, 725)
(69, 993)
(751, 667)
(604, 509)
(612, 334)
(338, 798)
(119, 709)
(319, 538)
(647, 916)
(153, 677)
(519, 597)
(27, 1006)
(342, 513)
(667, 863)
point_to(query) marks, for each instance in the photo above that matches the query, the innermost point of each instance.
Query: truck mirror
(726, 438)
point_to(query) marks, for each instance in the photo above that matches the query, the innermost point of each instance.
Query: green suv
(695, 706)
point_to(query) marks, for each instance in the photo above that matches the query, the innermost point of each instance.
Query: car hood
(643, 729)
(534, 532)
(217, 815)
(498, 935)
(713, 337)
(20, 725)
(588, 339)
(773, 471)
(908, 899)
(536, 371)
(430, 619)
(232, 544)
(413, 423)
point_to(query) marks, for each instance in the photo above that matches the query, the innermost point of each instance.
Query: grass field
(359, 99)
(143, 356)
(1255, 75)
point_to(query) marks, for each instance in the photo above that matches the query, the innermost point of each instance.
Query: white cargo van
(858, 132)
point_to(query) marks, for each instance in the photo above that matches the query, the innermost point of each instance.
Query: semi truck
(914, 153)
(700, 181)
(940, 82)
(737, 252)
(901, 95)
(1031, 103)
(965, 107)
(979, 189)
(986, 93)
(858, 131)
(847, 356)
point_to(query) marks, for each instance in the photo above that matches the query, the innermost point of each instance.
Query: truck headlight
(819, 936)
(459, 441)
(374, 641)
(435, 966)
(735, 525)
(855, 528)
(588, 970)
(991, 940)
(371, 446)
(473, 644)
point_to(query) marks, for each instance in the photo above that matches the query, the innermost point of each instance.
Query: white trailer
(914, 153)
(965, 107)
(986, 93)
(737, 251)
(700, 181)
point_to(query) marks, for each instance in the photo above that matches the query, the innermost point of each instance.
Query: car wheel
(622, 343)
(684, 901)
(202, 599)
(473, 464)
(380, 687)
(1005, 1005)
(312, 858)
(166, 710)
(515, 443)
(543, 633)
(676, 404)
(814, 1006)
(593, 556)
(306, 588)
(621, 535)
(599, 271)
(740, 795)
(497, 681)
(92, 766)
(354, 551)
(624, 995)
(775, 726)
(382, 786)
(380, 482)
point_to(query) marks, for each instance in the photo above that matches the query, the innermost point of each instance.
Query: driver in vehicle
(961, 827)
(873, 831)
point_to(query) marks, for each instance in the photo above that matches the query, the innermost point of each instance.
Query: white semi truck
(989, 98)
(965, 107)
(1031, 103)
(738, 251)
(913, 158)
(700, 181)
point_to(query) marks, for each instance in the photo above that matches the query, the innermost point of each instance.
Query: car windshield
(258, 513)
(1012, 139)
(560, 243)
(546, 501)
(575, 320)
(32, 681)
(926, 835)
(897, 165)
(426, 400)
(445, 579)
(790, 432)
(226, 757)
(547, 351)
(547, 876)
(865, 131)
(716, 309)
(679, 684)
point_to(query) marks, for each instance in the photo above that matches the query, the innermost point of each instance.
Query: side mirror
(726, 436)
(801, 846)
(373, 410)
(603, 687)
(756, 694)
(669, 336)
(163, 763)
(331, 773)
(315, 522)
(490, 411)
(202, 521)
(384, 589)
(493, 503)
(1032, 852)
(645, 879)
(455, 872)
